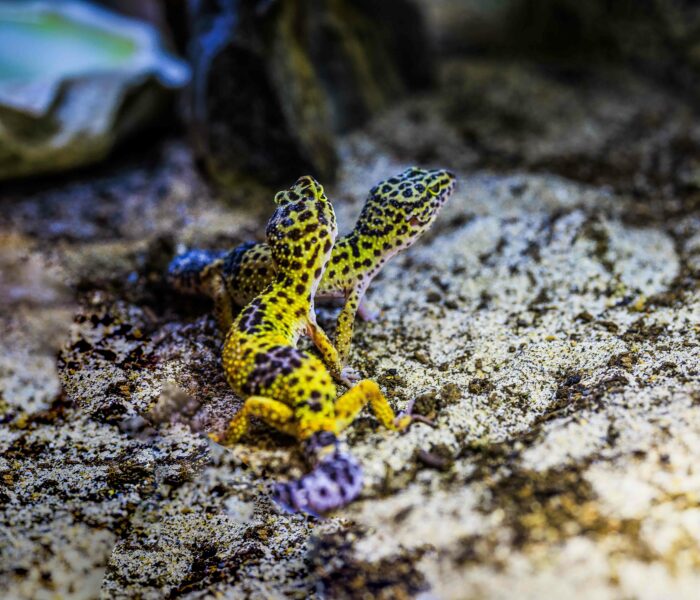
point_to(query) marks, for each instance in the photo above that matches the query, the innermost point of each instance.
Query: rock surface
(550, 327)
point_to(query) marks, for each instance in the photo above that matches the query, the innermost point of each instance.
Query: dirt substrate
(549, 326)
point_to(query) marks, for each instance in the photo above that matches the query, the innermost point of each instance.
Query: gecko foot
(222, 438)
(366, 313)
(214, 437)
(350, 376)
(406, 417)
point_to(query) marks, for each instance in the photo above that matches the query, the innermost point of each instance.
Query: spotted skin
(189, 271)
(335, 481)
(398, 211)
(289, 388)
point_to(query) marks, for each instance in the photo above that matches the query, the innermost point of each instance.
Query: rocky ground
(549, 324)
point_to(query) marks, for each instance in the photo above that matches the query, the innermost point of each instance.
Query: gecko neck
(294, 286)
(370, 249)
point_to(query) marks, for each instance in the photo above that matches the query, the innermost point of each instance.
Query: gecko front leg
(345, 375)
(274, 413)
(346, 322)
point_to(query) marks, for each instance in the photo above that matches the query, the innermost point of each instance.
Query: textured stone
(548, 326)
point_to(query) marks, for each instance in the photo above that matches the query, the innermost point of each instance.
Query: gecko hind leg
(349, 405)
(274, 413)
(213, 279)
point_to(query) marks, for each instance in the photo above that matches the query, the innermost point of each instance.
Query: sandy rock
(548, 326)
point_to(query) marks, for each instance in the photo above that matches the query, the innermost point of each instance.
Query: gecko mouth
(417, 222)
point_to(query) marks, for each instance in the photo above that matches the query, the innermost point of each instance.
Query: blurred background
(262, 90)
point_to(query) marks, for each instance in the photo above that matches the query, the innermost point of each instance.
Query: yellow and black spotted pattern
(285, 386)
(289, 388)
(398, 211)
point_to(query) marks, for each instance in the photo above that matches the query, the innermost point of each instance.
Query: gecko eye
(434, 189)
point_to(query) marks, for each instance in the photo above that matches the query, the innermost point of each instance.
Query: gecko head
(302, 230)
(304, 188)
(403, 207)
